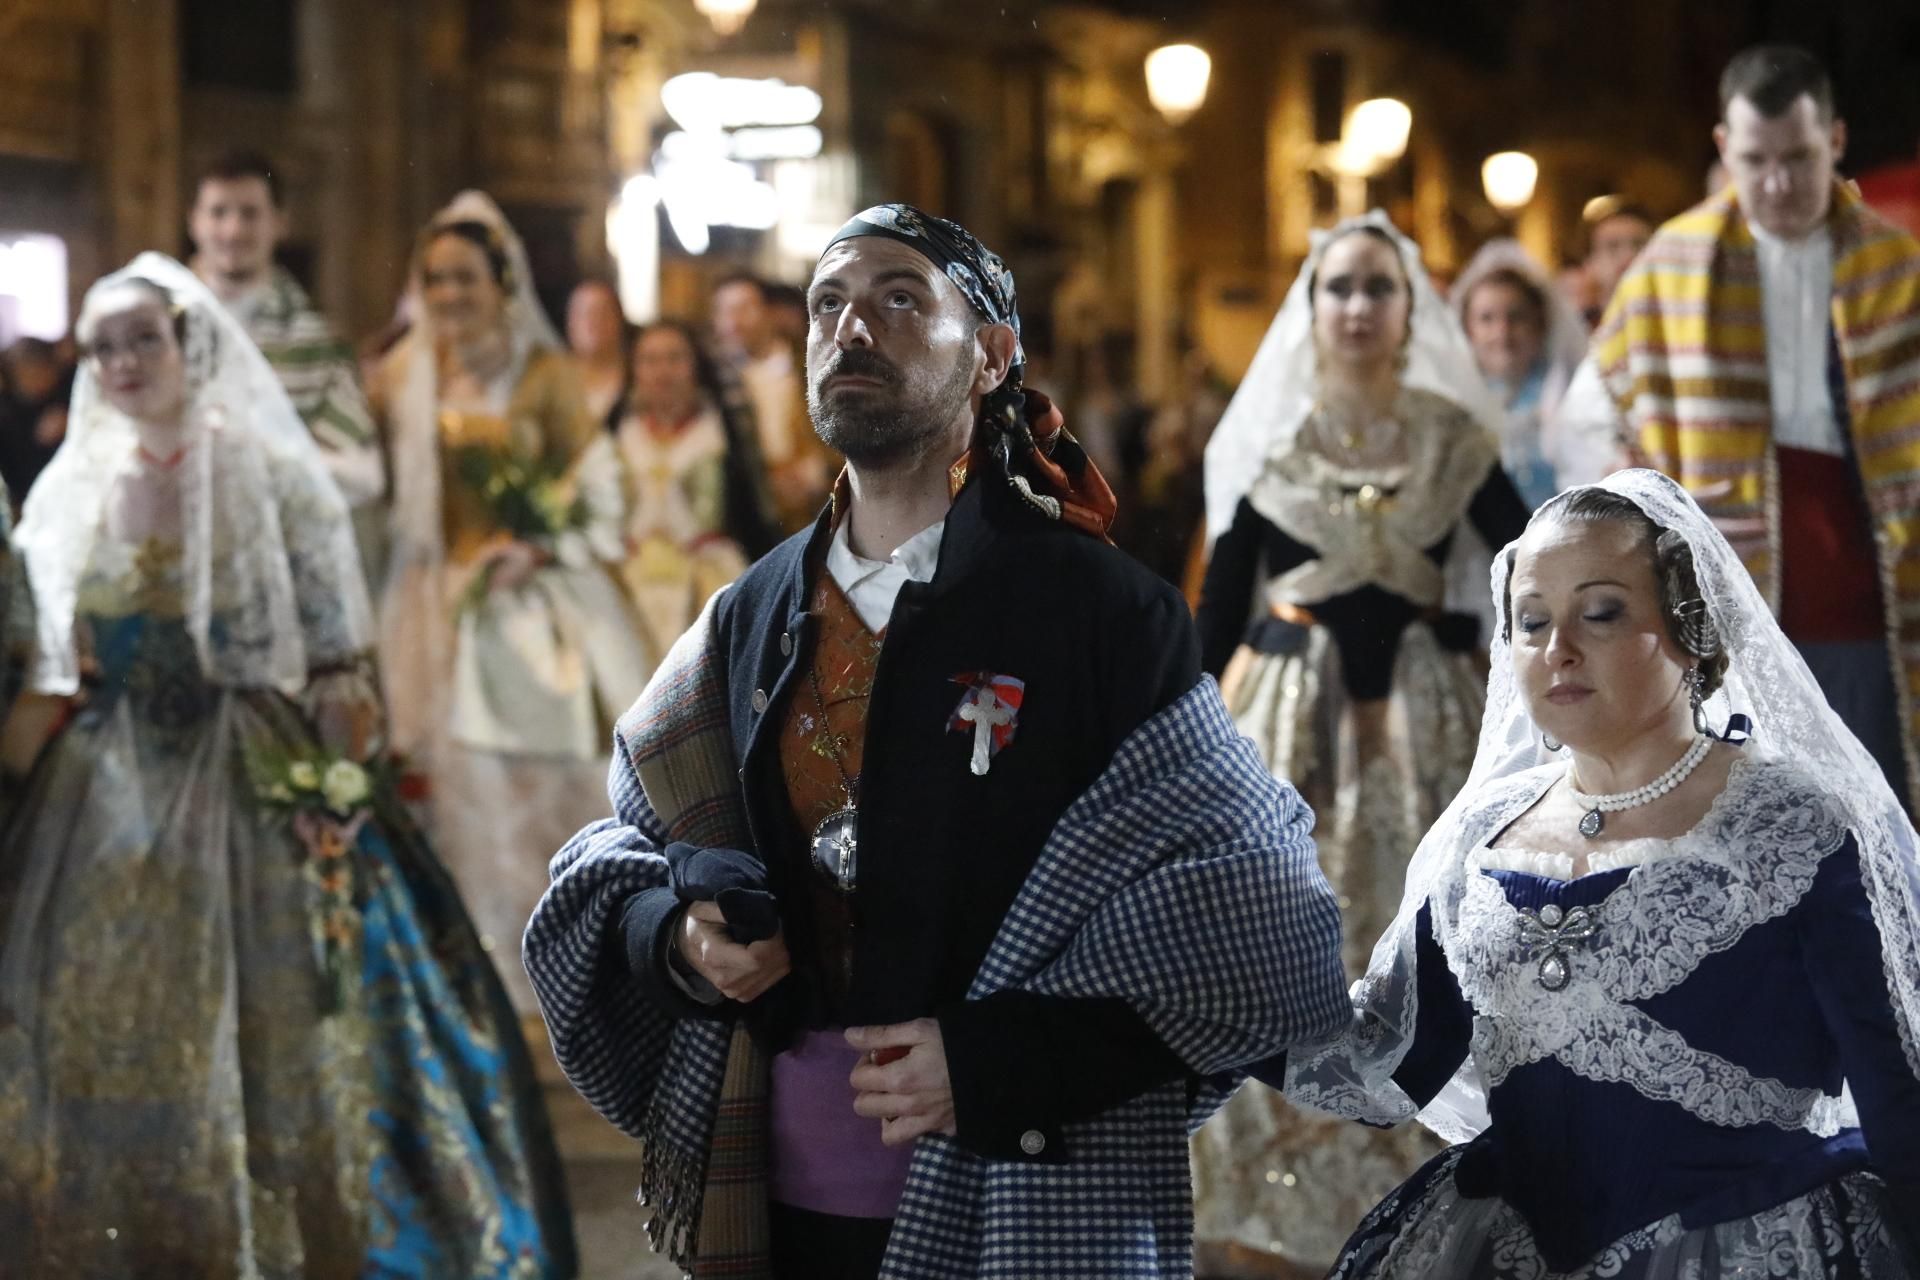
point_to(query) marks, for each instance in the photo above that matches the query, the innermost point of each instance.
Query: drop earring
(1696, 682)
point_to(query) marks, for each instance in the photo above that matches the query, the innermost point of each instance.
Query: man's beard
(883, 426)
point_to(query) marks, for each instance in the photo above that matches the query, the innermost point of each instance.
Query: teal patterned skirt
(220, 1057)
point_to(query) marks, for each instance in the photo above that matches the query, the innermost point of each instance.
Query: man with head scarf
(941, 896)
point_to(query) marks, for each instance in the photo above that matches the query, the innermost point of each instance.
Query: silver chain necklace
(836, 838)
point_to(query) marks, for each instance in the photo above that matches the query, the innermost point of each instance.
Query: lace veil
(1282, 384)
(271, 576)
(1768, 681)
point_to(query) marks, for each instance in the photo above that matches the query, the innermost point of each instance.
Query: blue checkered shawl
(1183, 880)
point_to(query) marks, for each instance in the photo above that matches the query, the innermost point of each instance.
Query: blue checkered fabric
(1184, 880)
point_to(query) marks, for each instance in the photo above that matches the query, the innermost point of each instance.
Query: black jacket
(1102, 645)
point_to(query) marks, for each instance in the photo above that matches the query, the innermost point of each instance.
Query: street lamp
(1376, 134)
(1509, 178)
(727, 16)
(1177, 80)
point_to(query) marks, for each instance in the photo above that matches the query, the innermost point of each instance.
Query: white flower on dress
(345, 785)
(304, 775)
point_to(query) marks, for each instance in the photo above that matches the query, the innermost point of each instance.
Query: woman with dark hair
(691, 475)
(507, 646)
(1350, 474)
(1660, 982)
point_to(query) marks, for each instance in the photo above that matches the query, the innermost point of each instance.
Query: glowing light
(777, 142)
(727, 16)
(1378, 128)
(701, 102)
(1509, 178)
(633, 235)
(1177, 77)
(33, 272)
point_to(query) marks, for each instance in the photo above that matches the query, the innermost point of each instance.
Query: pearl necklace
(1592, 823)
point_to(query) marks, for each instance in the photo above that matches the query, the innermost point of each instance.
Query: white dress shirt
(1796, 284)
(872, 586)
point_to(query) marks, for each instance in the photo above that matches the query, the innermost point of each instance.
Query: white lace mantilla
(1749, 860)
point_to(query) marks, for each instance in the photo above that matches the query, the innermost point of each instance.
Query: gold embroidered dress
(237, 1041)
(678, 551)
(1331, 611)
(180, 1094)
(504, 698)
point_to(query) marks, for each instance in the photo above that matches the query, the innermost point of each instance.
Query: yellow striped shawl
(1683, 350)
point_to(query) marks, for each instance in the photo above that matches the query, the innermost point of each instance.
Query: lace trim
(1749, 860)
(1614, 1043)
(1385, 541)
(1559, 866)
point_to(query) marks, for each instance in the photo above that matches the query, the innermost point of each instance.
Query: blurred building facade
(1028, 121)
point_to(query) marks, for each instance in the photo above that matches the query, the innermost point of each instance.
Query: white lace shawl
(1306, 496)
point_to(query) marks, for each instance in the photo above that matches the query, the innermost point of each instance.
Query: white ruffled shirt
(1559, 866)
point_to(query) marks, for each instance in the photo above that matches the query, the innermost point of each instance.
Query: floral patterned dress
(227, 1050)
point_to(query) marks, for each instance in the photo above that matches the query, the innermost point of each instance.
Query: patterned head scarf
(1019, 429)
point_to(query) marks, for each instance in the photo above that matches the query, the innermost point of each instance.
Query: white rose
(303, 775)
(345, 785)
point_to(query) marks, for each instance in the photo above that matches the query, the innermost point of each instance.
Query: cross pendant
(985, 714)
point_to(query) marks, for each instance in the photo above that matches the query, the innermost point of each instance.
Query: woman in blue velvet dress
(1660, 987)
(245, 1027)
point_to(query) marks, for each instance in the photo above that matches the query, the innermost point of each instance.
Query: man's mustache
(859, 363)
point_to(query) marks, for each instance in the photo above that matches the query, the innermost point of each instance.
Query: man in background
(799, 467)
(1757, 353)
(237, 222)
(35, 384)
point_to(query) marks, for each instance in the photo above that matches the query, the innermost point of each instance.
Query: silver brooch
(1547, 933)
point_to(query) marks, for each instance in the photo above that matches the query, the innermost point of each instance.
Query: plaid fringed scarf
(1683, 351)
(1183, 880)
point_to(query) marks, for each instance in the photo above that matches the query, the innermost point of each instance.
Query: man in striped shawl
(236, 222)
(941, 899)
(1765, 352)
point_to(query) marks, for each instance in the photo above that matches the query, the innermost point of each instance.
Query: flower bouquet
(327, 798)
(532, 499)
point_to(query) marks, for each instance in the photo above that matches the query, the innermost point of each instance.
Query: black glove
(735, 882)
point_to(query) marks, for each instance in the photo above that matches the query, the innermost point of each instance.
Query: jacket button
(759, 701)
(1033, 1142)
(786, 644)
